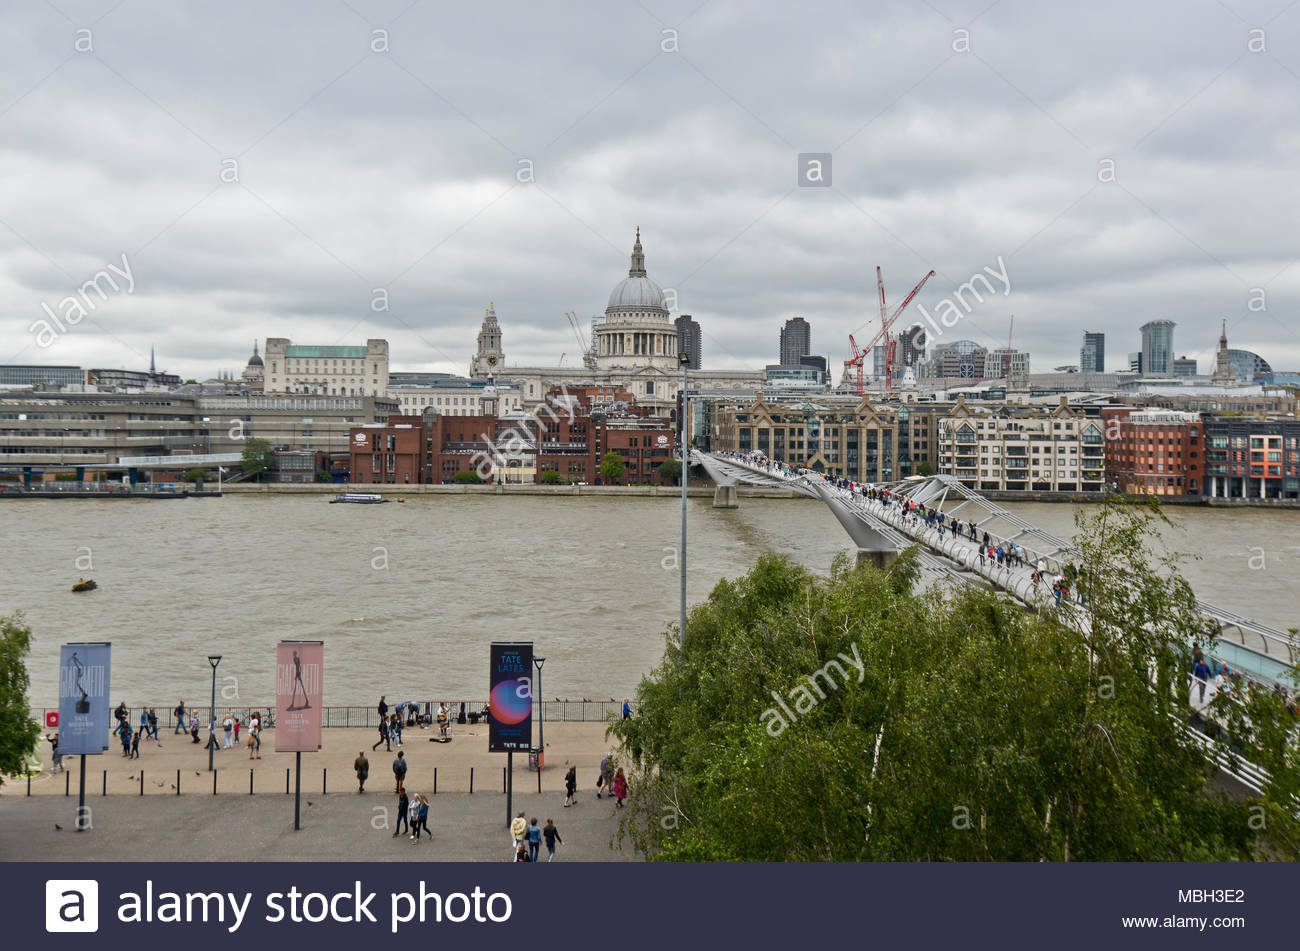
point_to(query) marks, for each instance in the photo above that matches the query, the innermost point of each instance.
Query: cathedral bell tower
(488, 358)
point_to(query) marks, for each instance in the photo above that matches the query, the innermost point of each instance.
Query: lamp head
(538, 661)
(683, 358)
(214, 659)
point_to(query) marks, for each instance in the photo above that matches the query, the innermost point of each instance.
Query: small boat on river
(360, 498)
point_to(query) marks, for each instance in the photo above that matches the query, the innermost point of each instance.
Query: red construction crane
(886, 324)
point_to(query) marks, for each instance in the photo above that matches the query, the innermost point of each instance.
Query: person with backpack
(362, 767)
(534, 840)
(399, 771)
(605, 778)
(552, 835)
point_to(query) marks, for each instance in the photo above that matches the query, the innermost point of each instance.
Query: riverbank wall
(395, 491)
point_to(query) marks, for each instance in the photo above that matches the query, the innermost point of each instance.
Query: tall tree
(256, 456)
(857, 718)
(611, 467)
(18, 731)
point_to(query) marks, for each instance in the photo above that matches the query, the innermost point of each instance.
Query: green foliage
(256, 456)
(65, 477)
(951, 724)
(19, 733)
(670, 470)
(553, 477)
(467, 476)
(924, 469)
(195, 475)
(611, 467)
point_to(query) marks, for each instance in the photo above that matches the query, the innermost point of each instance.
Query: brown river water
(408, 596)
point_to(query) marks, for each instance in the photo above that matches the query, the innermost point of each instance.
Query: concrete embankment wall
(661, 491)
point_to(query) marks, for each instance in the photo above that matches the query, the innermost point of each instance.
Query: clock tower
(488, 359)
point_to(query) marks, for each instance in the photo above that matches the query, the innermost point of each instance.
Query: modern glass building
(1157, 347)
(32, 375)
(1092, 356)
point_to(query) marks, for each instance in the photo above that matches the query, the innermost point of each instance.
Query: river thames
(408, 596)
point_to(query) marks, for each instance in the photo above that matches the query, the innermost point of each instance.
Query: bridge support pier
(880, 558)
(726, 497)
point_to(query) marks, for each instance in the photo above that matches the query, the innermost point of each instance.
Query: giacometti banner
(298, 710)
(83, 698)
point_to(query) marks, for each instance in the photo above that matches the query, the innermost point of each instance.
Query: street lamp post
(684, 358)
(541, 719)
(213, 659)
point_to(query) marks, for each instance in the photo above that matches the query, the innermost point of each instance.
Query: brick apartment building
(1252, 458)
(1154, 451)
(570, 434)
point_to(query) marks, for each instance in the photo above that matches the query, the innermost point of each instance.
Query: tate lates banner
(510, 701)
(83, 698)
(298, 709)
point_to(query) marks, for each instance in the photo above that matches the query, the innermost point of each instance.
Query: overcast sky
(398, 160)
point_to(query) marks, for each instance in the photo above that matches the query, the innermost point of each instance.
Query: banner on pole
(298, 708)
(510, 698)
(83, 698)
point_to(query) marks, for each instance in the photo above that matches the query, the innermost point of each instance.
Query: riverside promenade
(138, 814)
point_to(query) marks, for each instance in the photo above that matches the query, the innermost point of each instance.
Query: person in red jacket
(620, 788)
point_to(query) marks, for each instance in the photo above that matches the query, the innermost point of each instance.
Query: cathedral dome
(636, 291)
(254, 360)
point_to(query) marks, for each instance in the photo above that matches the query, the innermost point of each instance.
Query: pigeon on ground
(197, 773)
(173, 785)
(57, 827)
(132, 776)
(310, 803)
(161, 785)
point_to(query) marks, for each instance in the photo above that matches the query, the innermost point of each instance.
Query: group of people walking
(526, 839)
(130, 737)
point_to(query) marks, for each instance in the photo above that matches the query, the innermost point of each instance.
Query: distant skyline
(333, 171)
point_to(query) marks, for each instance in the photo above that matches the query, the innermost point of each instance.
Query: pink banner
(298, 706)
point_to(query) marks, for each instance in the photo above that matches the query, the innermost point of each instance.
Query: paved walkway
(338, 825)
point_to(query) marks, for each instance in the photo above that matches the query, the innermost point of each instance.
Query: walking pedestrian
(362, 767)
(518, 832)
(57, 766)
(552, 835)
(227, 726)
(194, 726)
(403, 805)
(399, 771)
(534, 840)
(135, 744)
(123, 729)
(605, 778)
(383, 736)
(571, 787)
(413, 815)
(620, 788)
(627, 709)
(237, 724)
(383, 708)
(153, 725)
(422, 817)
(144, 720)
(179, 713)
(395, 728)
(255, 740)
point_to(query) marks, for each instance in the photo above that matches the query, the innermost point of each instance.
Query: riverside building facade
(1022, 448)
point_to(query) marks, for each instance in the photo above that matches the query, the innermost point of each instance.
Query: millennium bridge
(880, 531)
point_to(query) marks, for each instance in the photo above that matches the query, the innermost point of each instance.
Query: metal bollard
(435, 780)
(323, 773)
(178, 782)
(471, 780)
(539, 780)
(286, 780)
(250, 781)
(141, 782)
(503, 780)
(105, 792)
(214, 781)
(67, 782)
